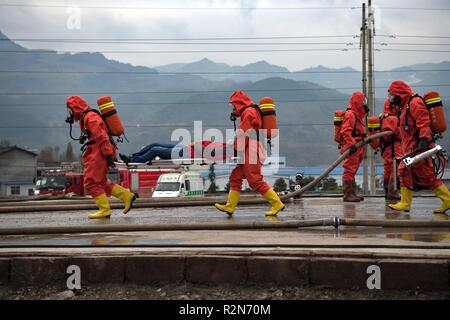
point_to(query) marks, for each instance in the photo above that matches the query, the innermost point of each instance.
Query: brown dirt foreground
(188, 291)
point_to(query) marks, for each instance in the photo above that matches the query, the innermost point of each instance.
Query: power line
(175, 125)
(211, 72)
(207, 91)
(181, 51)
(151, 40)
(122, 104)
(235, 43)
(166, 126)
(421, 9)
(167, 8)
(177, 103)
(212, 51)
(412, 36)
(411, 50)
(208, 8)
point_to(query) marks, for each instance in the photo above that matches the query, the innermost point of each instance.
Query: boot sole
(100, 217)
(398, 209)
(228, 213)
(135, 196)
(271, 215)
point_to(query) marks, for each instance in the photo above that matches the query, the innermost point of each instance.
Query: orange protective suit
(247, 144)
(390, 146)
(414, 125)
(94, 158)
(352, 131)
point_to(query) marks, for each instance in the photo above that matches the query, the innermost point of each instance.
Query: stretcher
(174, 163)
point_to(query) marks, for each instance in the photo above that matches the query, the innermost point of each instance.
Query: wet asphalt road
(301, 209)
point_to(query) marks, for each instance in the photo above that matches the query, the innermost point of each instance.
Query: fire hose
(333, 222)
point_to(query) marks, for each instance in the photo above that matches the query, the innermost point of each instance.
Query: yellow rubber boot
(442, 193)
(126, 196)
(275, 201)
(103, 204)
(233, 199)
(405, 202)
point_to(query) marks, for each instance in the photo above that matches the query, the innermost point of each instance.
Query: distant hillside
(346, 79)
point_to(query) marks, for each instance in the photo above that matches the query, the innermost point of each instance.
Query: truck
(60, 182)
(179, 184)
(140, 180)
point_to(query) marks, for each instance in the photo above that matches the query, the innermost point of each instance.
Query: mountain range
(344, 79)
(153, 102)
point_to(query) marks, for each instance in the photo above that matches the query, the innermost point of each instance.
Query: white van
(179, 184)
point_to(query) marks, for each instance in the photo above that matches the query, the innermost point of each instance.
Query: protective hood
(388, 109)
(240, 100)
(356, 104)
(78, 105)
(402, 90)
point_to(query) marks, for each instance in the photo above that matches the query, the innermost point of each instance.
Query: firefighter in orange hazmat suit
(352, 131)
(415, 133)
(97, 158)
(390, 148)
(247, 142)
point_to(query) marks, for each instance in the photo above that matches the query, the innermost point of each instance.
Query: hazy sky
(196, 19)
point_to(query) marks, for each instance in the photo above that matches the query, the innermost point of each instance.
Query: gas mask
(70, 118)
(233, 115)
(365, 105)
(394, 100)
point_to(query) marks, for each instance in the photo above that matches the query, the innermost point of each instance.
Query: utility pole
(364, 88)
(371, 100)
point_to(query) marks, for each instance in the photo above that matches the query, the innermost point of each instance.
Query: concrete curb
(240, 268)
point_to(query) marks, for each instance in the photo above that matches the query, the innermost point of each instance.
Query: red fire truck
(140, 180)
(60, 182)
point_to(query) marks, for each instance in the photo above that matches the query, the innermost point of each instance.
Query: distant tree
(307, 180)
(46, 155)
(279, 185)
(212, 179)
(69, 156)
(329, 184)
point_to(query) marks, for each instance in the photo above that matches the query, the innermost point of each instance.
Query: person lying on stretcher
(167, 151)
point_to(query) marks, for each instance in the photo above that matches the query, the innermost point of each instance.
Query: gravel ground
(188, 291)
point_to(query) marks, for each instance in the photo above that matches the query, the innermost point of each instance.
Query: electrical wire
(212, 72)
(208, 91)
(122, 104)
(177, 51)
(168, 8)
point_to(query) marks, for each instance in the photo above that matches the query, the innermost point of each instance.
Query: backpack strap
(260, 113)
(408, 111)
(89, 134)
(362, 135)
(383, 143)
